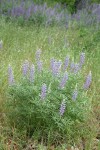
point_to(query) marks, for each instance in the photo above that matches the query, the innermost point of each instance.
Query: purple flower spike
(58, 66)
(66, 63)
(82, 59)
(25, 67)
(32, 71)
(76, 68)
(37, 54)
(88, 81)
(43, 91)
(55, 66)
(64, 80)
(10, 76)
(75, 94)
(62, 108)
(39, 65)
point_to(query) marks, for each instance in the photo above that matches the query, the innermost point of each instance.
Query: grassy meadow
(20, 43)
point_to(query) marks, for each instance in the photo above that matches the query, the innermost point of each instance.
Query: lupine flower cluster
(25, 67)
(29, 72)
(40, 65)
(43, 91)
(10, 75)
(62, 108)
(31, 11)
(88, 81)
(64, 80)
(55, 66)
(82, 59)
(76, 67)
(86, 18)
(66, 63)
(38, 54)
(74, 95)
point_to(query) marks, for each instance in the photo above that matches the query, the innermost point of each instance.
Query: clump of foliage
(33, 12)
(50, 104)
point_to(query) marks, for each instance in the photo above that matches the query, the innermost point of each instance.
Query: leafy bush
(50, 104)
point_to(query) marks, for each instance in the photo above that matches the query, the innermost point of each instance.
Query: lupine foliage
(49, 104)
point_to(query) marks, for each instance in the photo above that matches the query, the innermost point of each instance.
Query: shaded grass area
(21, 43)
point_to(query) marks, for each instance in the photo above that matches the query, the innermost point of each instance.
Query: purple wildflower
(10, 75)
(37, 54)
(25, 67)
(82, 59)
(55, 66)
(64, 80)
(58, 66)
(76, 68)
(62, 108)
(88, 81)
(52, 61)
(66, 63)
(39, 65)
(17, 11)
(75, 94)
(32, 71)
(43, 91)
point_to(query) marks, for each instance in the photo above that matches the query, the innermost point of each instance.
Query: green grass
(20, 43)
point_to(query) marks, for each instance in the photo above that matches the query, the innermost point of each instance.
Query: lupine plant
(88, 81)
(28, 12)
(47, 106)
(66, 63)
(10, 75)
(25, 67)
